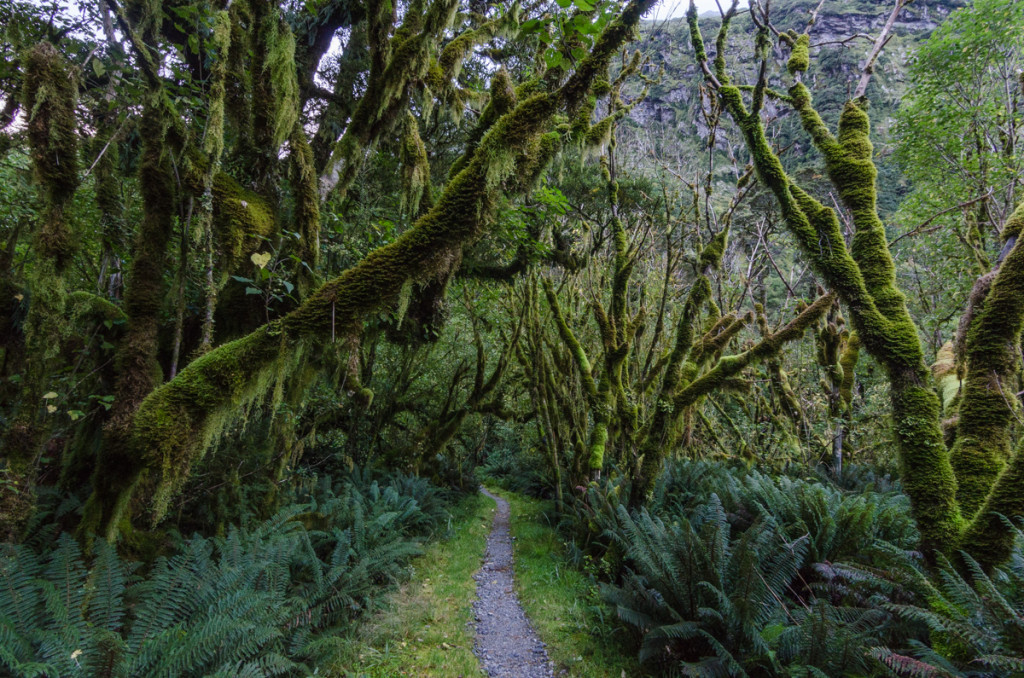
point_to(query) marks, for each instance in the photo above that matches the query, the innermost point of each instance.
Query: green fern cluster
(731, 572)
(248, 604)
(839, 524)
(735, 573)
(974, 623)
(710, 602)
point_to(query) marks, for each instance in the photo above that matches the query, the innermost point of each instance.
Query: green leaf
(583, 5)
(531, 26)
(252, 290)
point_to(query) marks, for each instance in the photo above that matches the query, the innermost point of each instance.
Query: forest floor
(426, 627)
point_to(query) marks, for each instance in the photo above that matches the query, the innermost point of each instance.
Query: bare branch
(880, 42)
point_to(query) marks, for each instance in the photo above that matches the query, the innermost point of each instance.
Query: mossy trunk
(50, 94)
(884, 325)
(990, 408)
(138, 370)
(863, 278)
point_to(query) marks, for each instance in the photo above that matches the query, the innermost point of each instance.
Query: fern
(975, 623)
(247, 604)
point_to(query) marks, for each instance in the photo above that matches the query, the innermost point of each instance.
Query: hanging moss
(307, 209)
(383, 102)
(279, 66)
(415, 169)
(238, 86)
(50, 93)
(209, 167)
(275, 90)
(220, 54)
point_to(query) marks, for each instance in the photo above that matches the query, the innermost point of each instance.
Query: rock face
(672, 108)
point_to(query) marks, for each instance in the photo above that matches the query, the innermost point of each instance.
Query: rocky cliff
(671, 112)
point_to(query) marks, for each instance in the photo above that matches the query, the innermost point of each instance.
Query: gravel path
(505, 643)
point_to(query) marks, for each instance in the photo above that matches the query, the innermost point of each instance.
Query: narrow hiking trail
(506, 644)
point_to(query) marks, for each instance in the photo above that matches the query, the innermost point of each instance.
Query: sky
(673, 8)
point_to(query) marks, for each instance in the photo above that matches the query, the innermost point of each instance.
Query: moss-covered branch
(730, 366)
(864, 282)
(176, 423)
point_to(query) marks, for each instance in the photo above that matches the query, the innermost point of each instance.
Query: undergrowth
(252, 603)
(731, 572)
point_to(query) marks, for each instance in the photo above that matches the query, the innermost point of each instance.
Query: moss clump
(241, 219)
(85, 305)
(800, 56)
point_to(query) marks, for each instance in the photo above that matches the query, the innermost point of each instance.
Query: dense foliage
(741, 293)
(248, 603)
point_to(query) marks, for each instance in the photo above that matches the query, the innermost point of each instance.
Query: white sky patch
(670, 9)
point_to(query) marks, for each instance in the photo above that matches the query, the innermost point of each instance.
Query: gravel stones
(505, 643)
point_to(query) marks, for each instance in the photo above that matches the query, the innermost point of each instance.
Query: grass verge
(423, 628)
(561, 602)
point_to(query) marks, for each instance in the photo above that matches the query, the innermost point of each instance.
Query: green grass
(423, 628)
(560, 601)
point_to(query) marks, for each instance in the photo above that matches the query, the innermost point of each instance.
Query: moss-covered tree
(863, 278)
